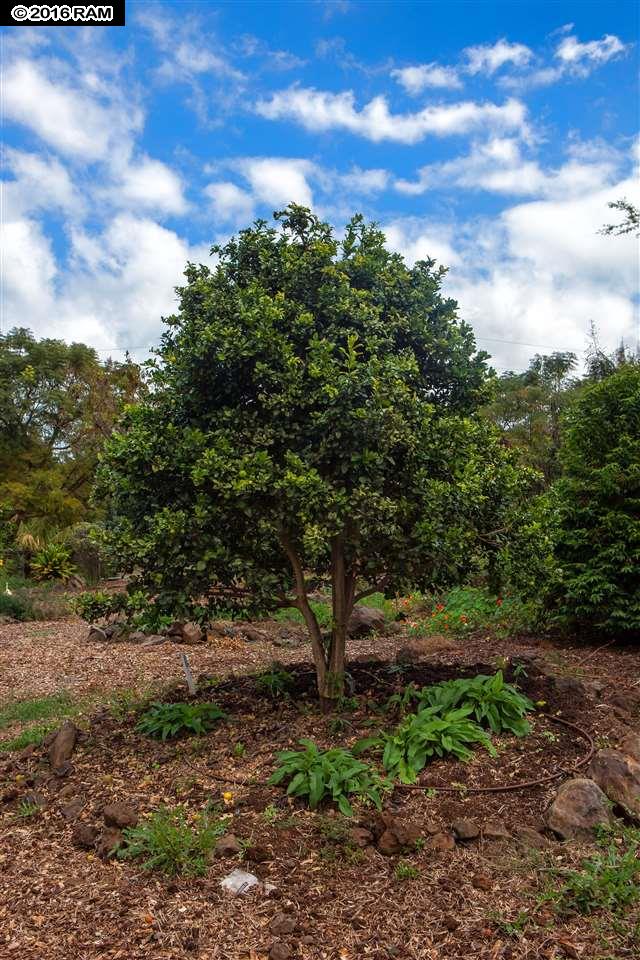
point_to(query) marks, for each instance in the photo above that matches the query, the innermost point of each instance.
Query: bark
(342, 596)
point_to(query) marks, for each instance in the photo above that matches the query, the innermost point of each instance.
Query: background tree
(528, 407)
(630, 222)
(597, 507)
(58, 404)
(310, 416)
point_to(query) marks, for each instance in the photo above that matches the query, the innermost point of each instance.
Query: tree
(528, 408)
(58, 404)
(629, 224)
(309, 417)
(597, 507)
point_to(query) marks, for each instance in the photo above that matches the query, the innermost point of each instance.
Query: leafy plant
(426, 734)
(16, 606)
(313, 415)
(406, 871)
(610, 880)
(334, 774)
(27, 809)
(495, 704)
(169, 843)
(274, 682)
(53, 562)
(163, 720)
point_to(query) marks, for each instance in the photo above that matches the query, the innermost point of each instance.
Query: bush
(169, 843)
(597, 509)
(53, 562)
(465, 609)
(16, 606)
(494, 703)
(163, 720)
(335, 774)
(608, 881)
(424, 735)
(275, 682)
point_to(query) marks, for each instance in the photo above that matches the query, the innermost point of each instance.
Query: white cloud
(278, 181)
(538, 275)
(488, 58)
(151, 185)
(230, 203)
(418, 78)
(366, 182)
(118, 284)
(571, 51)
(498, 166)
(320, 110)
(64, 114)
(40, 183)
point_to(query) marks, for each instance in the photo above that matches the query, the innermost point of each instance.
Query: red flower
(499, 602)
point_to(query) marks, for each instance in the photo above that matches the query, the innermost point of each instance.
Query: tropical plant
(423, 735)
(164, 720)
(328, 774)
(170, 843)
(275, 682)
(53, 562)
(494, 703)
(311, 416)
(596, 507)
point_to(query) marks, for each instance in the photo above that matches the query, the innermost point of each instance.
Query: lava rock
(579, 806)
(280, 951)
(630, 745)
(360, 836)
(193, 633)
(364, 620)
(97, 633)
(108, 842)
(63, 745)
(227, 846)
(119, 815)
(84, 835)
(441, 843)
(282, 924)
(72, 810)
(495, 830)
(619, 777)
(465, 829)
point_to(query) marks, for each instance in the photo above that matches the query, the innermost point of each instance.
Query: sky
(487, 136)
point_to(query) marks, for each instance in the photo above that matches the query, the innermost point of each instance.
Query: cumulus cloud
(418, 78)
(40, 182)
(150, 184)
(571, 51)
(229, 203)
(118, 283)
(535, 277)
(487, 58)
(498, 166)
(319, 110)
(66, 113)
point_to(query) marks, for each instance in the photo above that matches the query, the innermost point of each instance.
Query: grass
(42, 714)
(322, 610)
(173, 843)
(40, 708)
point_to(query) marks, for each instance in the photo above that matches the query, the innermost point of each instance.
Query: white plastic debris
(239, 882)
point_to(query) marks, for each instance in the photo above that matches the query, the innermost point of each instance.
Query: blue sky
(489, 136)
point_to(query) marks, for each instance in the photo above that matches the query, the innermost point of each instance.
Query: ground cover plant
(172, 842)
(333, 774)
(164, 720)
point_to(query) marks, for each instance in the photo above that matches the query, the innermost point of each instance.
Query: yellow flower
(541, 703)
(227, 796)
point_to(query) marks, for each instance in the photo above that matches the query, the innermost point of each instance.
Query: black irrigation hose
(523, 784)
(497, 788)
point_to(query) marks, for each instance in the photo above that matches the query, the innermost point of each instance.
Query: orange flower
(499, 602)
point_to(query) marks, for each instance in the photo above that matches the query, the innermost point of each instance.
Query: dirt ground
(321, 897)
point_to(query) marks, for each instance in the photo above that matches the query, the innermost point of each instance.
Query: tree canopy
(310, 415)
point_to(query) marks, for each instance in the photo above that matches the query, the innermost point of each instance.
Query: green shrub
(169, 843)
(597, 509)
(610, 880)
(275, 682)
(53, 562)
(334, 774)
(465, 609)
(164, 720)
(16, 606)
(406, 871)
(495, 704)
(424, 735)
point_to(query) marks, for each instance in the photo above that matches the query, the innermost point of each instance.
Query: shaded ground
(477, 900)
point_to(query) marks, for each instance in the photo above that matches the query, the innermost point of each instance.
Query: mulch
(58, 901)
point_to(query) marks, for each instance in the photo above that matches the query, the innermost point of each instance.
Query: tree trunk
(331, 684)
